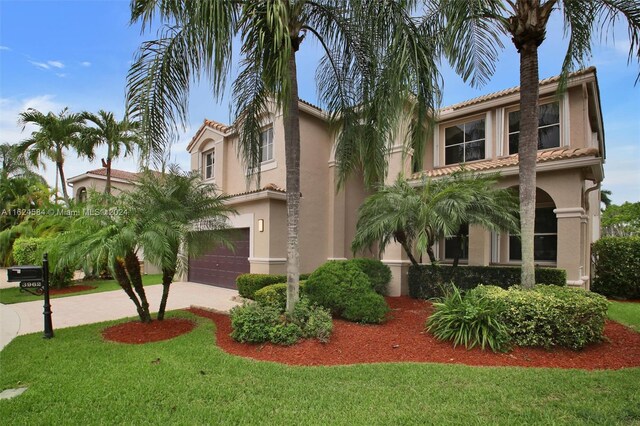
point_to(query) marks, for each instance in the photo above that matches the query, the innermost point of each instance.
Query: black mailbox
(24, 273)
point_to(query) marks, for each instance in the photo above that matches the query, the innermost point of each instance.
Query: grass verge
(189, 380)
(626, 313)
(14, 295)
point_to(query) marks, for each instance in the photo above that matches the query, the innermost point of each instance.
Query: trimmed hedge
(379, 274)
(548, 315)
(248, 284)
(427, 281)
(337, 285)
(617, 267)
(29, 251)
(275, 295)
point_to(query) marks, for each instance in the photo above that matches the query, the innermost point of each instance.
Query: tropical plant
(605, 198)
(364, 41)
(621, 221)
(416, 217)
(14, 164)
(120, 137)
(55, 134)
(173, 214)
(472, 38)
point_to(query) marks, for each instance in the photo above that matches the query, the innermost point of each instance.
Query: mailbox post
(35, 278)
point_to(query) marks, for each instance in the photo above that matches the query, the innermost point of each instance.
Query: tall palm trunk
(527, 150)
(292, 155)
(63, 182)
(107, 188)
(167, 279)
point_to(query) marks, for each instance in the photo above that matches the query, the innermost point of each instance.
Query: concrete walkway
(24, 318)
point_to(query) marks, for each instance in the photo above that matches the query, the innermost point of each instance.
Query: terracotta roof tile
(115, 173)
(267, 187)
(511, 160)
(513, 90)
(217, 125)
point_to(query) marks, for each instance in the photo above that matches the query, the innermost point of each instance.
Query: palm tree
(364, 41)
(14, 164)
(605, 198)
(415, 217)
(93, 237)
(55, 134)
(188, 217)
(120, 137)
(473, 30)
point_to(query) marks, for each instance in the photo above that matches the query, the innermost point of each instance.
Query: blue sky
(77, 53)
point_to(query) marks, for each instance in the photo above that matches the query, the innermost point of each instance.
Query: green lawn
(14, 295)
(626, 313)
(188, 380)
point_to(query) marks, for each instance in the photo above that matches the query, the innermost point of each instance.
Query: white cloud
(40, 65)
(85, 63)
(4, 48)
(61, 75)
(56, 64)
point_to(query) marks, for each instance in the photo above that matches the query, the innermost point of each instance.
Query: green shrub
(258, 323)
(379, 274)
(248, 284)
(29, 251)
(252, 322)
(470, 320)
(370, 308)
(276, 295)
(617, 267)
(333, 284)
(549, 315)
(315, 321)
(426, 281)
(286, 333)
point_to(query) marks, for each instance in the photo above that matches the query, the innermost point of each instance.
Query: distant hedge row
(426, 281)
(617, 267)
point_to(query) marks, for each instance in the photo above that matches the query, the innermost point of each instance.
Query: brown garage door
(220, 266)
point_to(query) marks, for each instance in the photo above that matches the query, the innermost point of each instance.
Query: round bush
(275, 295)
(334, 284)
(252, 322)
(370, 308)
(617, 267)
(315, 321)
(379, 274)
(285, 334)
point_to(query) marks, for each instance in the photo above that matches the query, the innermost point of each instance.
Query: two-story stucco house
(481, 133)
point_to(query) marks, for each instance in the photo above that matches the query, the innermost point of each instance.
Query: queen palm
(415, 217)
(473, 30)
(188, 217)
(55, 134)
(364, 41)
(120, 137)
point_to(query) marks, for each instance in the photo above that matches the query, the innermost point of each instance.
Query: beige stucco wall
(98, 184)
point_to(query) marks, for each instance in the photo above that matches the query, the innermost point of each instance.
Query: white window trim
(203, 163)
(445, 126)
(565, 125)
(561, 127)
(266, 129)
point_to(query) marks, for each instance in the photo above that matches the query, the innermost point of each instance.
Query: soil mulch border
(136, 332)
(403, 339)
(71, 289)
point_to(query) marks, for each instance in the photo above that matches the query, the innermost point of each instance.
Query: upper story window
(266, 144)
(208, 162)
(464, 142)
(548, 127)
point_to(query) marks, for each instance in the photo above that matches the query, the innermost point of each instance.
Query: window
(545, 240)
(208, 163)
(457, 244)
(82, 195)
(548, 128)
(464, 142)
(266, 145)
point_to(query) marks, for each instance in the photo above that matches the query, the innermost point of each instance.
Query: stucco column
(479, 246)
(336, 216)
(394, 256)
(570, 243)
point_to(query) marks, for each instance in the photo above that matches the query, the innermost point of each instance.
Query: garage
(220, 266)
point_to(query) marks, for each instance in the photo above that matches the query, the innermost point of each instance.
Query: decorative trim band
(268, 260)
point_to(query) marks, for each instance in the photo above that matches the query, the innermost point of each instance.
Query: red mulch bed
(136, 332)
(403, 339)
(71, 289)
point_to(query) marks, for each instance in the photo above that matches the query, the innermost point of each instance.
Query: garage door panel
(220, 266)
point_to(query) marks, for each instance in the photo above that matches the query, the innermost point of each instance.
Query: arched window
(545, 242)
(82, 195)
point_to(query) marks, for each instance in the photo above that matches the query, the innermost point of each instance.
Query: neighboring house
(96, 180)
(482, 133)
